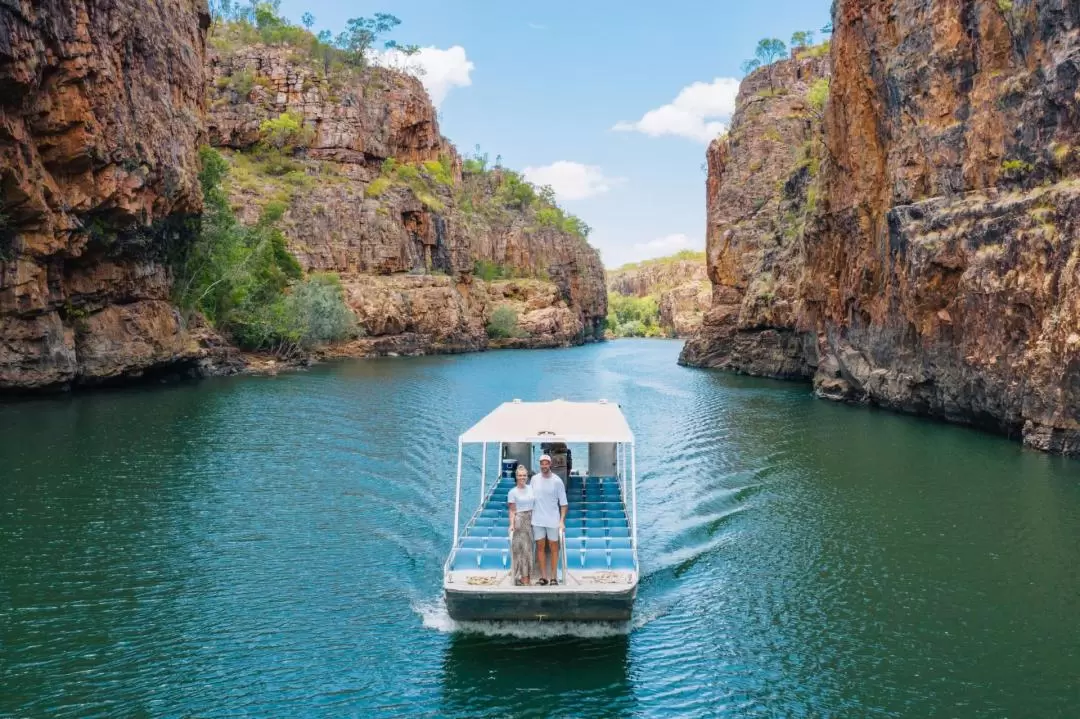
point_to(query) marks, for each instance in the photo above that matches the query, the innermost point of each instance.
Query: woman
(520, 499)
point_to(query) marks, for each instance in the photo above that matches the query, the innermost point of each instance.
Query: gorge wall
(937, 273)
(103, 107)
(679, 285)
(406, 248)
(100, 120)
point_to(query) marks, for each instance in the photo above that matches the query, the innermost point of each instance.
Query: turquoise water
(273, 547)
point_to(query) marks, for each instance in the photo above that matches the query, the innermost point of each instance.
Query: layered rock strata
(939, 274)
(406, 253)
(100, 120)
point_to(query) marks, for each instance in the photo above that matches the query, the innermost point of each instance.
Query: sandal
(517, 582)
(554, 582)
(543, 582)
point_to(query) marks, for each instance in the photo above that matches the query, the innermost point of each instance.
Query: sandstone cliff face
(942, 277)
(761, 185)
(405, 254)
(100, 120)
(939, 273)
(681, 287)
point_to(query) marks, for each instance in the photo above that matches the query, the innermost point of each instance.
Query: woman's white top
(522, 498)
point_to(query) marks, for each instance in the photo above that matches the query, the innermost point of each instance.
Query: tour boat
(598, 563)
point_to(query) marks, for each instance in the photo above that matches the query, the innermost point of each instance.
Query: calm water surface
(273, 547)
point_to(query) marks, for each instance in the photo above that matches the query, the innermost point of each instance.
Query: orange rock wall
(100, 121)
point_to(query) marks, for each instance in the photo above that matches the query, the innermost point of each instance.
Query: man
(549, 517)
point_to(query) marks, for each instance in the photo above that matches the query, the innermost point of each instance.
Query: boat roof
(555, 421)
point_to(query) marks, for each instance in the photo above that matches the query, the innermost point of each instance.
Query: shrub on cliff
(504, 324)
(286, 132)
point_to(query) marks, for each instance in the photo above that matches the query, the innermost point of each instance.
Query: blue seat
(596, 532)
(618, 542)
(482, 521)
(494, 513)
(622, 559)
(574, 531)
(598, 522)
(573, 544)
(595, 559)
(473, 542)
(467, 559)
(498, 542)
(494, 559)
(623, 531)
(486, 531)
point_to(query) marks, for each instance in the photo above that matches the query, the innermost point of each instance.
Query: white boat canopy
(555, 421)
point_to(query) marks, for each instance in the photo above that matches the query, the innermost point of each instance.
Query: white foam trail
(435, 616)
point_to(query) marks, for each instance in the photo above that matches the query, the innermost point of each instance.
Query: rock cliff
(679, 284)
(361, 202)
(761, 186)
(938, 273)
(100, 120)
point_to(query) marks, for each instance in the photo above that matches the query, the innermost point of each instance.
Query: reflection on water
(544, 676)
(273, 546)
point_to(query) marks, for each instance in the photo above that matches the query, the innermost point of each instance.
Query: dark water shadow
(556, 676)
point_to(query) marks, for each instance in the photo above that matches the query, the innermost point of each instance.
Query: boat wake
(435, 616)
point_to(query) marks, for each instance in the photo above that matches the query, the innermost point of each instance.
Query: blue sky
(547, 83)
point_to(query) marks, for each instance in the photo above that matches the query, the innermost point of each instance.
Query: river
(272, 546)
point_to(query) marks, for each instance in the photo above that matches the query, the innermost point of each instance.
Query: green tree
(361, 33)
(749, 66)
(768, 51)
(802, 38)
(308, 20)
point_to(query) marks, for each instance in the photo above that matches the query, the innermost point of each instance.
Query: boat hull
(540, 605)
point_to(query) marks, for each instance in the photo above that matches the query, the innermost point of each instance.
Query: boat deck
(599, 553)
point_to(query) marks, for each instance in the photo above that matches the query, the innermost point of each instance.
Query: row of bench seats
(599, 509)
(475, 541)
(588, 559)
(571, 531)
(614, 521)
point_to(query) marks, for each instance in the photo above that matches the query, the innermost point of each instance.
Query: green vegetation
(424, 180)
(497, 193)
(630, 316)
(237, 23)
(814, 51)
(802, 38)
(504, 324)
(680, 256)
(286, 132)
(817, 95)
(246, 283)
(1016, 169)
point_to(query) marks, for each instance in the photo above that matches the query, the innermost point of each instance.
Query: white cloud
(665, 245)
(571, 180)
(537, 26)
(439, 70)
(699, 112)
